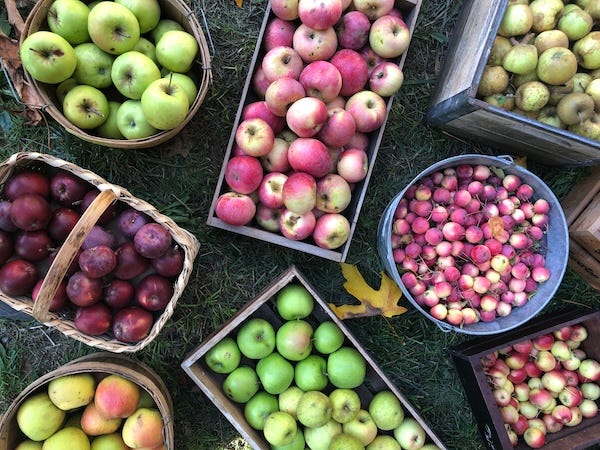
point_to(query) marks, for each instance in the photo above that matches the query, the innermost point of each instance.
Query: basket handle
(67, 253)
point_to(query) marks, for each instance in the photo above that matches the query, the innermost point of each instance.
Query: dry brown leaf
(14, 17)
(372, 302)
(521, 161)
(496, 226)
(239, 3)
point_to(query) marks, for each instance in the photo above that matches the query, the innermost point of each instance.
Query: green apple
(85, 107)
(146, 11)
(132, 72)
(68, 18)
(241, 384)
(113, 27)
(384, 442)
(288, 400)
(314, 409)
(386, 410)
(165, 104)
(256, 338)
(258, 408)
(410, 434)
(48, 57)
(587, 50)
(31, 409)
(146, 47)
(328, 337)
(131, 121)
(110, 129)
(275, 373)
(310, 374)
(298, 443)
(224, 356)
(362, 427)
(93, 65)
(280, 428)
(344, 441)
(176, 50)
(346, 368)
(162, 27)
(294, 301)
(346, 404)
(63, 87)
(111, 441)
(294, 339)
(28, 444)
(319, 438)
(186, 82)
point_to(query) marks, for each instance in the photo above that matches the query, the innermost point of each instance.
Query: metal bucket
(556, 253)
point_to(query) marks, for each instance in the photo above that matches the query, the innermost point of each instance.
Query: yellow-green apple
(593, 89)
(576, 416)
(224, 356)
(295, 226)
(241, 384)
(113, 27)
(386, 410)
(38, 418)
(143, 428)
(176, 50)
(319, 14)
(550, 38)
(280, 428)
(389, 36)
(111, 441)
(386, 79)
(146, 47)
(589, 370)
(243, 174)
(309, 373)
(319, 438)
(321, 79)
(353, 30)
(560, 350)
(72, 391)
(258, 408)
(93, 66)
(374, 9)
(162, 27)
(314, 409)
(298, 443)
(48, 57)
(132, 72)
(590, 390)
(344, 441)
(368, 110)
(545, 360)
(147, 12)
(70, 437)
(68, 18)
(275, 373)
(259, 82)
(346, 368)
(314, 45)
(299, 192)
(345, 404)
(63, 87)
(339, 128)
(278, 32)
(261, 109)
(331, 230)
(371, 58)
(575, 23)
(410, 434)
(110, 128)
(281, 93)
(588, 408)
(187, 84)
(285, 9)
(556, 66)
(165, 104)
(385, 442)
(294, 301)
(116, 396)
(255, 137)
(235, 209)
(362, 427)
(333, 194)
(270, 190)
(309, 155)
(353, 69)
(132, 122)
(353, 165)
(294, 339)
(328, 337)
(95, 424)
(276, 160)
(256, 338)
(288, 399)
(587, 51)
(306, 116)
(86, 107)
(281, 62)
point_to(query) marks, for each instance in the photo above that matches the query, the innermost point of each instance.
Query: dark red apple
(130, 221)
(33, 245)
(99, 235)
(62, 222)
(170, 264)
(130, 263)
(7, 246)
(83, 290)
(118, 293)
(152, 240)
(132, 324)
(97, 262)
(153, 292)
(93, 320)
(109, 213)
(26, 182)
(60, 299)
(67, 189)
(73, 267)
(17, 277)
(6, 223)
(30, 212)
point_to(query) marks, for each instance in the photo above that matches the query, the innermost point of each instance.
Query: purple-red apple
(353, 68)
(353, 30)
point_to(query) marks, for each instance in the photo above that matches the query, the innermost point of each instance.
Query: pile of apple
(119, 69)
(469, 243)
(90, 411)
(298, 384)
(544, 383)
(544, 64)
(320, 84)
(120, 278)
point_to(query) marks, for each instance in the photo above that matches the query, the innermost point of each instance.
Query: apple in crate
(353, 69)
(374, 9)
(319, 438)
(353, 30)
(281, 62)
(278, 32)
(339, 128)
(314, 45)
(235, 209)
(309, 155)
(322, 80)
(386, 79)
(368, 110)
(282, 93)
(299, 192)
(389, 36)
(331, 231)
(243, 174)
(255, 137)
(319, 14)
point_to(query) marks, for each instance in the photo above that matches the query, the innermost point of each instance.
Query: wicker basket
(173, 9)
(97, 363)
(109, 193)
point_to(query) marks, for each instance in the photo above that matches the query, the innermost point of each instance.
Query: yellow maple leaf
(372, 302)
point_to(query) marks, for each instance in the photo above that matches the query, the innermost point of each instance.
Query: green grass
(179, 178)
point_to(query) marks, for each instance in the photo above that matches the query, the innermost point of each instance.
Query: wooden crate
(410, 10)
(467, 359)
(581, 259)
(456, 110)
(586, 228)
(263, 306)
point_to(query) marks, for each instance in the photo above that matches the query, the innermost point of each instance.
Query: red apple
(30, 212)
(353, 165)
(386, 79)
(67, 188)
(309, 155)
(93, 320)
(26, 182)
(306, 116)
(339, 128)
(368, 109)
(299, 192)
(281, 93)
(353, 69)
(331, 231)
(319, 14)
(153, 292)
(83, 290)
(333, 194)
(268, 218)
(255, 137)
(60, 299)
(243, 174)
(235, 209)
(314, 45)
(260, 109)
(282, 62)
(285, 9)
(270, 191)
(276, 160)
(296, 226)
(132, 324)
(353, 30)
(259, 83)
(371, 58)
(321, 79)
(278, 32)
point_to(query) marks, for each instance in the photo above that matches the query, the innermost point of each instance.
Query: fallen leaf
(14, 17)
(239, 3)
(521, 161)
(496, 226)
(383, 301)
